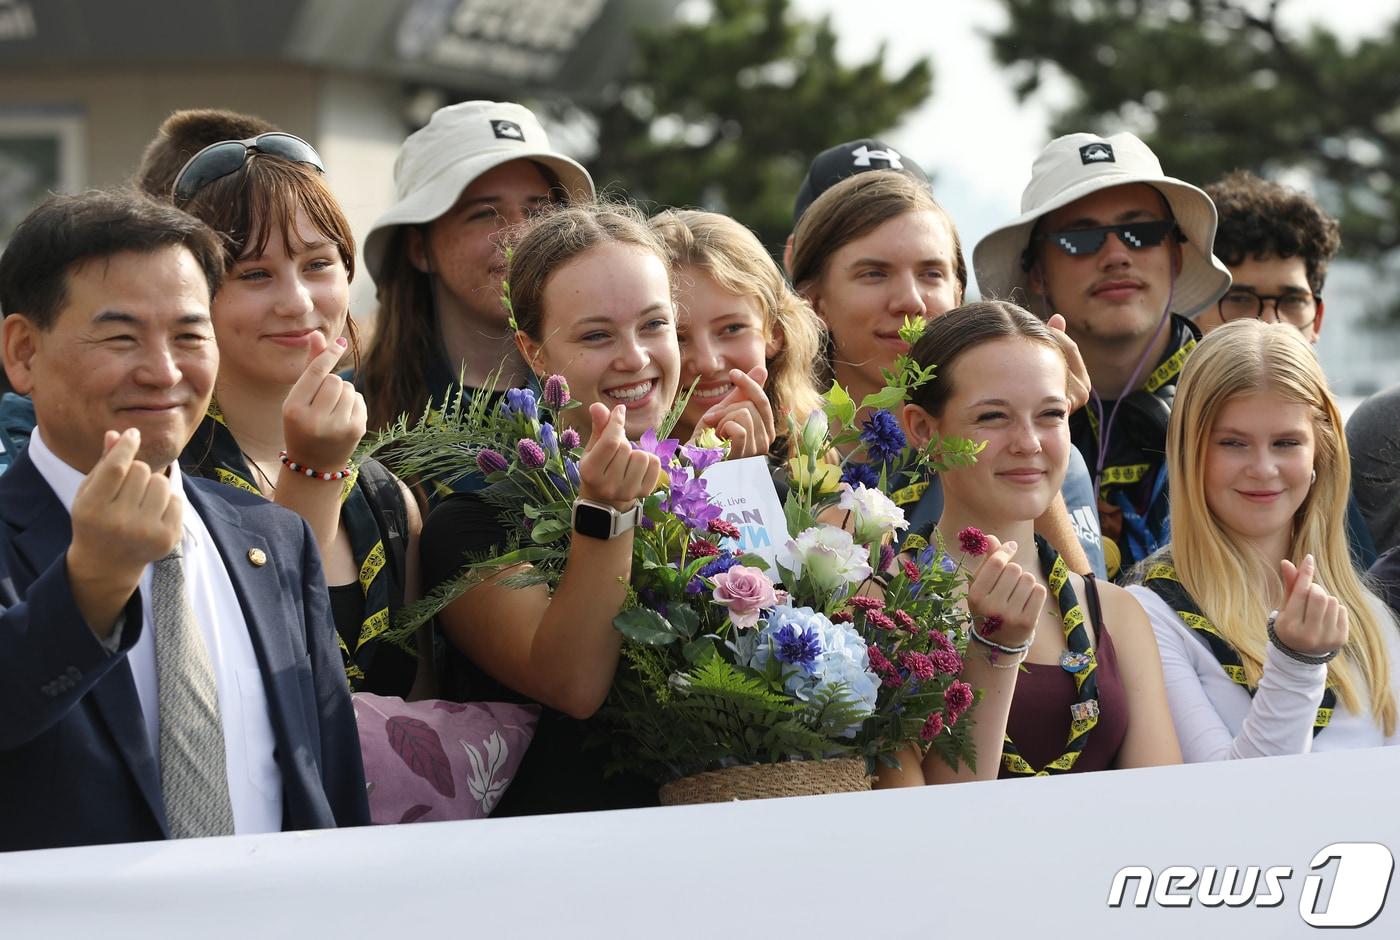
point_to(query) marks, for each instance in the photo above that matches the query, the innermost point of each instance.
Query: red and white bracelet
(295, 467)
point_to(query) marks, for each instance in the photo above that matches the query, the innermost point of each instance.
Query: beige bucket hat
(461, 142)
(1076, 165)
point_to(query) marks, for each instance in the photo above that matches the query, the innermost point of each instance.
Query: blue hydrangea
(789, 633)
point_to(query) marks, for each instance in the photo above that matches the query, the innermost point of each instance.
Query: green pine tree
(726, 114)
(1214, 85)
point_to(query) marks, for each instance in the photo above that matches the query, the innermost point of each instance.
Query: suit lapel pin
(257, 557)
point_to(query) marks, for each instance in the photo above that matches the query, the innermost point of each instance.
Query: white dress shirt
(1216, 719)
(254, 780)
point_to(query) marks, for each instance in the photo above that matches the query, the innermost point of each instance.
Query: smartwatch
(600, 521)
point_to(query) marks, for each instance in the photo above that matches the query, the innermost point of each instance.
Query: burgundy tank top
(1039, 719)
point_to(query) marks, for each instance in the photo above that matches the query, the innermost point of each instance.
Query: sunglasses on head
(228, 156)
(1080, 242)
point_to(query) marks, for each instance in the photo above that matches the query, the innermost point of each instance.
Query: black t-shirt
(559, 773)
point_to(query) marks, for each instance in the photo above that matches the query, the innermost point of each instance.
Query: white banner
(1299, 842)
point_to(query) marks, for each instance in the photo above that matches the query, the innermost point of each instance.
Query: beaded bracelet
(1306, 659)
(295, 467)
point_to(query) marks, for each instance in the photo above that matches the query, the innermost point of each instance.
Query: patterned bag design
(434, 760)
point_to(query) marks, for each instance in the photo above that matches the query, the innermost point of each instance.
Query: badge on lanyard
(1072, 662)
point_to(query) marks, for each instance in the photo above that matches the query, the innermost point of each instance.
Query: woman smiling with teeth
(736, 314)
(1270, 642)
(591, 293)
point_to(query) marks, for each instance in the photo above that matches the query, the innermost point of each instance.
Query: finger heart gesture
(324, 417)
(1002, 588)
(610, 470)
(744, 417)
(1310, 621)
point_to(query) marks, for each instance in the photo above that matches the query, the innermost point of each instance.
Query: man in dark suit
(168, 666)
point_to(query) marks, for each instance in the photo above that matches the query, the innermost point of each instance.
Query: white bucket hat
(1077, 165)
(461, 142)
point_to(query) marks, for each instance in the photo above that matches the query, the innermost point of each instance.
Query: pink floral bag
(436, 760)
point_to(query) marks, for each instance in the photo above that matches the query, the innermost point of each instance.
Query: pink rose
(745, 591)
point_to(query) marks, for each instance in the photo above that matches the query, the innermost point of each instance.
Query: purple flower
(702, 458)
(689, 500)
(920, 666)
(654, 601)
(725, 528)
(695, 586)
(886, 557)
(933, 727)
(973, 541)
(857, 473)
(722, 563)
(797, 647)
(665, 451)
(520, 401)
(549, 439)
(883, 439)
(531, 454)
(571, 471)
(569, 439)
(556, 392)
(489, 461)
(958, 698)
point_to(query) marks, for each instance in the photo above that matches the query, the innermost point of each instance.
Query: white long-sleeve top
(1216, 719)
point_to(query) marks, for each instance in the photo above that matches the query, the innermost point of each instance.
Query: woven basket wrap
(766, 781)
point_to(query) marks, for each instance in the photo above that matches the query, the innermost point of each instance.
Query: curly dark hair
(1259, 217)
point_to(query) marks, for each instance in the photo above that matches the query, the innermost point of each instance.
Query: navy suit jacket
(76, 764)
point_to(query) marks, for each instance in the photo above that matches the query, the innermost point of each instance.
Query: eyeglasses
(1296, 308)
(228, 156)
(1087, 241)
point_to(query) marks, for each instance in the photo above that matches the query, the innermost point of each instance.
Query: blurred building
(85, 83)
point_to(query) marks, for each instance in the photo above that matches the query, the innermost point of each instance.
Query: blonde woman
(736, 311)
(1270, 642)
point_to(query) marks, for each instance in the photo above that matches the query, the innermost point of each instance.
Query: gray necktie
(193, 771)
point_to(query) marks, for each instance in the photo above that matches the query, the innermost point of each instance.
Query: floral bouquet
(842, 649)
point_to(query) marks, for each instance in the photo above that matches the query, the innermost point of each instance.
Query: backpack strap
(385, 496)
(1091, 597)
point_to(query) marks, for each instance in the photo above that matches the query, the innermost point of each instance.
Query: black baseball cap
(833, 165)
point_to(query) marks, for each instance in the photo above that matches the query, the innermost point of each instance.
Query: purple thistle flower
(857, 474)
(531, 454)
(549, 439)
(556, 392)
(489, 461)
(571, 471)
(569, 439)
(883, 439)
(797, 647)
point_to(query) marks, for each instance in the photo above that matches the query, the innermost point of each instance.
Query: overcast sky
(971, 133)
